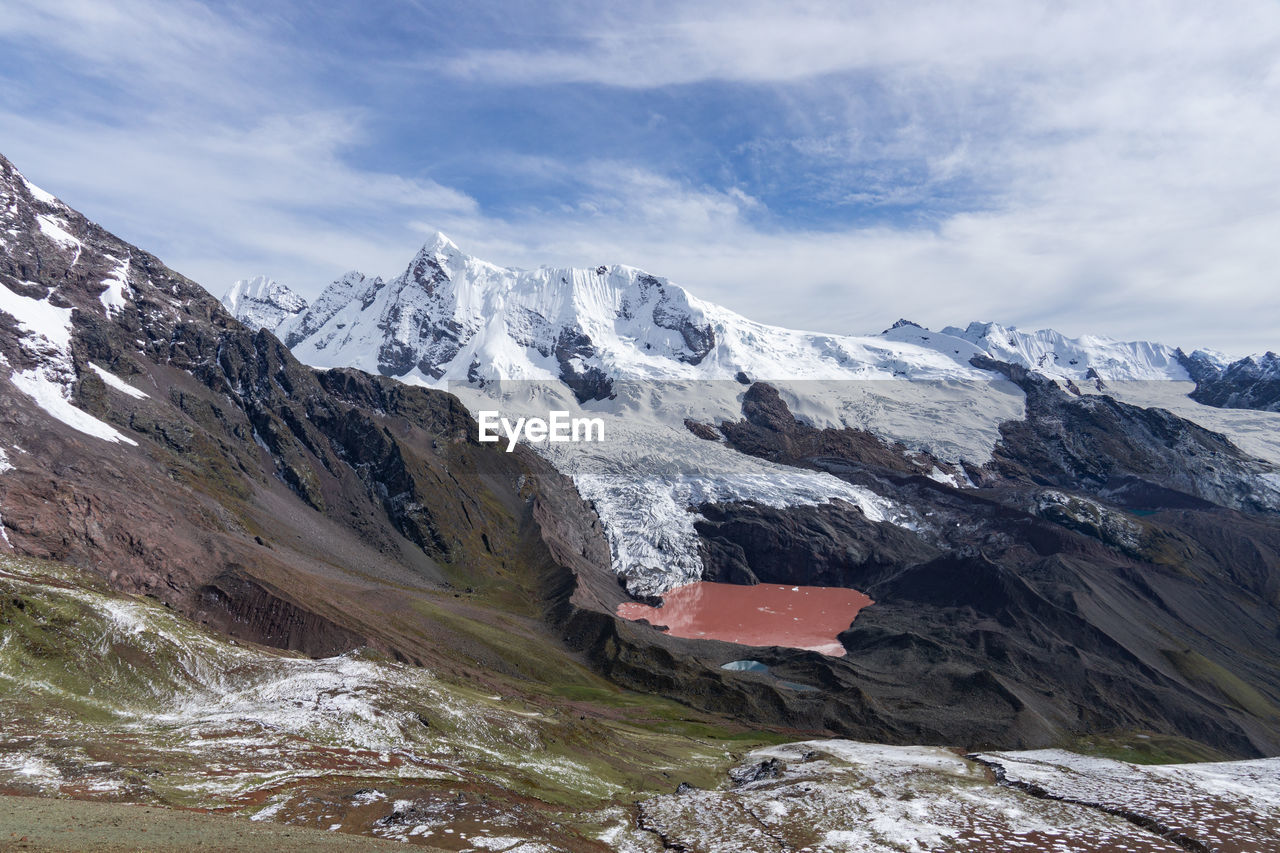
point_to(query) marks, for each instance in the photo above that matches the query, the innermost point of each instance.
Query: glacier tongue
(649, 475)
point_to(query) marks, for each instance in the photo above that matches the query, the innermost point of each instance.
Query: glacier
(614, 341)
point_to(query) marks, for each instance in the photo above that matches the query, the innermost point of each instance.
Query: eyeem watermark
(557, 428)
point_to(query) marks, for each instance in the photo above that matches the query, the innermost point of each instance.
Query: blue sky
(1095, 167)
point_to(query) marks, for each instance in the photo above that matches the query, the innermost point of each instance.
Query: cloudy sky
(1091, 166)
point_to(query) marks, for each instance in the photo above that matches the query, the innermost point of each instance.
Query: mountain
(1088, 357)
(1252, 382)
(652, 358)
(262, 302)
(453, 317)
(320, 580)
(212, 554)
(1021, 514)
(148, 435)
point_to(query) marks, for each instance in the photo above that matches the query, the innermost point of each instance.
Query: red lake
(799, 617)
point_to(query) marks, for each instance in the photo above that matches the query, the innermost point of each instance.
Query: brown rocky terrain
(1113, 570)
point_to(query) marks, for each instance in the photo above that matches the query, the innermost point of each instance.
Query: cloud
(165, 52)
(221, 203)
(1095, 167)
(1114, 165)
(199, 138)
(647, 45)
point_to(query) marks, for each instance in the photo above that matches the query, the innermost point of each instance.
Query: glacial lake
(798, 617)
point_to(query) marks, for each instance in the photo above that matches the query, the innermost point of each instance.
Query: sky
(1094, 167)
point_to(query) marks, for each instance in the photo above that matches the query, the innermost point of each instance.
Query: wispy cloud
(214, 150)
(1116, 164)
(657, 44)
(828, 165)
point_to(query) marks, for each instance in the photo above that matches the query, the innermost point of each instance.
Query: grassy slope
(112, 696)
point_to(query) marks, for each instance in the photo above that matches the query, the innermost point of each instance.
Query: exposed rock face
(245, 608)
(1021, 609)
(829, 545)
(769, 430)
(1250, 383)
(1138, 458)
(669, 313)
(184, 456)
(573, 351)
(706, 432)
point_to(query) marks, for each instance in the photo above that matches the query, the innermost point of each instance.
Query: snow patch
(270, 811)
(39, 194)
(33, 770)
(113, 298)
(38, 317)
(1236, 802)
(56, 230)
(49, 395)
(117, 383)
(48, 337)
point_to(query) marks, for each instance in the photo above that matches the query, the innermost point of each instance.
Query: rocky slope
(1250, 383)
(112, 699)
(147, 434)
(1023, 604)
(1044, 556)
(840, 795)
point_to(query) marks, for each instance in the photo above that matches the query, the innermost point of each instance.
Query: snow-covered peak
(1252, 382)
(262, 302)
(453, 317)
(1086, 357)
(1264, 366)
(441, 244)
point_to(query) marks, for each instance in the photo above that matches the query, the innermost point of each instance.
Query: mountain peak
(262, 302)
(441, 244)
(903, 322)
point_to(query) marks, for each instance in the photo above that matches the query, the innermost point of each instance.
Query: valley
(922, 590)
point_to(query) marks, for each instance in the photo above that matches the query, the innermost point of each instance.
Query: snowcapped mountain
(1086, 357)
(452, 317)
(262, 302)
(650, 358)
(1252, 382)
